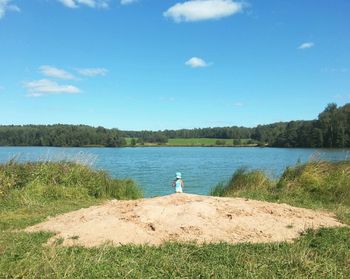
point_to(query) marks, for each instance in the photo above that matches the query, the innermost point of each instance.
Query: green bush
(220, 142)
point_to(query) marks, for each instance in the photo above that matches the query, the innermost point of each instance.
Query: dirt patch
(183, 217)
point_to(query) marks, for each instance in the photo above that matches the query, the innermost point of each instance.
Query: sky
(152, 64)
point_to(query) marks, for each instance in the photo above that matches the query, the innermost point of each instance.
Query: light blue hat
(178, 175)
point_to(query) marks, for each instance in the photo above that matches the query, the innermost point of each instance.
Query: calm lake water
(154, 167)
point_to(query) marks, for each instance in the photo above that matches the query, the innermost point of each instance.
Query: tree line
(330, 129)
(60, 135)
(217, 132)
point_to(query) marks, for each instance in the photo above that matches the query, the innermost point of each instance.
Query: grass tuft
(250, 184)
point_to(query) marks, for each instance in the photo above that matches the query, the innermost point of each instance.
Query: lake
(154, 167)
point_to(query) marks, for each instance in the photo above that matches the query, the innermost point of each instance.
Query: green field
(203, 142)
(29, 193)
(200, 142)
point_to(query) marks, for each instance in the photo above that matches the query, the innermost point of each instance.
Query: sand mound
(183, 217)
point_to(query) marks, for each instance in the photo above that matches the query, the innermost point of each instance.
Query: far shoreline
(174, 146)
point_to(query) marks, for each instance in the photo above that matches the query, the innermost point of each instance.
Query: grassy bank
(317, 184)
(31, 192)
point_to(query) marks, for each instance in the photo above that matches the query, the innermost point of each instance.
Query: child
(178, 183)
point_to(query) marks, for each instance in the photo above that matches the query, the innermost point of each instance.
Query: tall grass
(59, 180)
(326, 182)
(316, 184)
(43, 189)
(246, 183)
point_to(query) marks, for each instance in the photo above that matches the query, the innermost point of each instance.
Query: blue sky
(150, 64)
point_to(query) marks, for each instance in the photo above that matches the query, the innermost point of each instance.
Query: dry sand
(183, 217)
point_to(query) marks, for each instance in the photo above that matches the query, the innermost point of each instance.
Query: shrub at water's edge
(246, 183)
(316, 184)
(325, 182)
(44, 182)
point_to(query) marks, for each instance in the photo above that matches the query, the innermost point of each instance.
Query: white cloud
(127, 2)
(196, 62)
(90, 3)
(54, 72)
(5, 6)
(69, 3)
(197, 10)
(238, 104)
(92, 72)
(306, 45)
(42, 87)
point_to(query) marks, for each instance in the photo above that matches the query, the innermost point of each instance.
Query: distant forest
(331, 129)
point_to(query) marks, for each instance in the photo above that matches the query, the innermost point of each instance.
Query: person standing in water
(178, 183)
